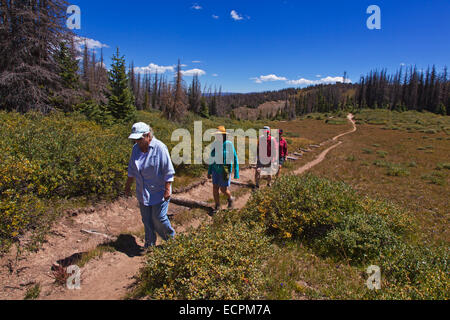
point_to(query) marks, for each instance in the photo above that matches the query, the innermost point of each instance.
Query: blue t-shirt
(151, 170)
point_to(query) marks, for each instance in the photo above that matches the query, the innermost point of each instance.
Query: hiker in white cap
(150, 165)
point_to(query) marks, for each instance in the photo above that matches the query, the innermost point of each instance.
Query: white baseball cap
(138, 130)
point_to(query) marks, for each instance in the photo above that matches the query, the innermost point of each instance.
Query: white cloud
(196, 61)
(236, 15)
(193, 72)
(335, 79)
(270, 77)
(80, 42)
(215, 17)
(326, 80)
(153, 68)
(196, 7)
(302, 82)
(102, 64)
(215, 75)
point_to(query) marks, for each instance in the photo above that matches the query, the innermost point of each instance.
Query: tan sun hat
(221, 130)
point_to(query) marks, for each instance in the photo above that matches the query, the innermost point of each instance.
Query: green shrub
(382, 154)
(222, 261)
(412, 164)
(48, 158)
(336, 121)
(292, 134)
(414, 272)
(441, 166)
(71, 157)
(23, 215)
(357, 239)
(95, 112)
(382, 164)
(21, 210)
(33, 292)
(301, 206)
(397, 171)
(312, 208)
(320, 117)
(377, 122)
(361, 235)
(435, 178)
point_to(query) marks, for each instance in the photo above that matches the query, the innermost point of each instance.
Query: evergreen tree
(204, 109)
(68, 67)
(70, 80)
(442, 110)
(120, 99)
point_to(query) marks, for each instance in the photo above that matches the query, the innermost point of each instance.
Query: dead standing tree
(176, 109)
(30, 34)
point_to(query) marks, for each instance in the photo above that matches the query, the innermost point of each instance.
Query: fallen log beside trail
(293, 158)
(242, 184)
(298, 154)
(305, 150)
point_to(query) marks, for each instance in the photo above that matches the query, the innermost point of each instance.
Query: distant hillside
(265, 110)
(293, 102)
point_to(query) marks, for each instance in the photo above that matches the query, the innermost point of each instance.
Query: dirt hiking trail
(117, 224)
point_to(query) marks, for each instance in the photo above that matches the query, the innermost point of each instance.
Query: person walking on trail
(283, 146)
(221, 169)
(150, 165)
(265, 161)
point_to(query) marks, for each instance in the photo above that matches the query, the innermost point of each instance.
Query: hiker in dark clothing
(283, 151)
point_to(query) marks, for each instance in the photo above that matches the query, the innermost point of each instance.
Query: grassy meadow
(380, 198)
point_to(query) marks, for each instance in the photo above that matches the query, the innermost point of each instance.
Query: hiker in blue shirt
(150, 165)
(220, 171)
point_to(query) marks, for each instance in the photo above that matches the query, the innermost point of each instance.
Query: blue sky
(248, 45)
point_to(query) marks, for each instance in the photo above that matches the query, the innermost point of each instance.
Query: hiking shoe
(216, 209)
(231, 203)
